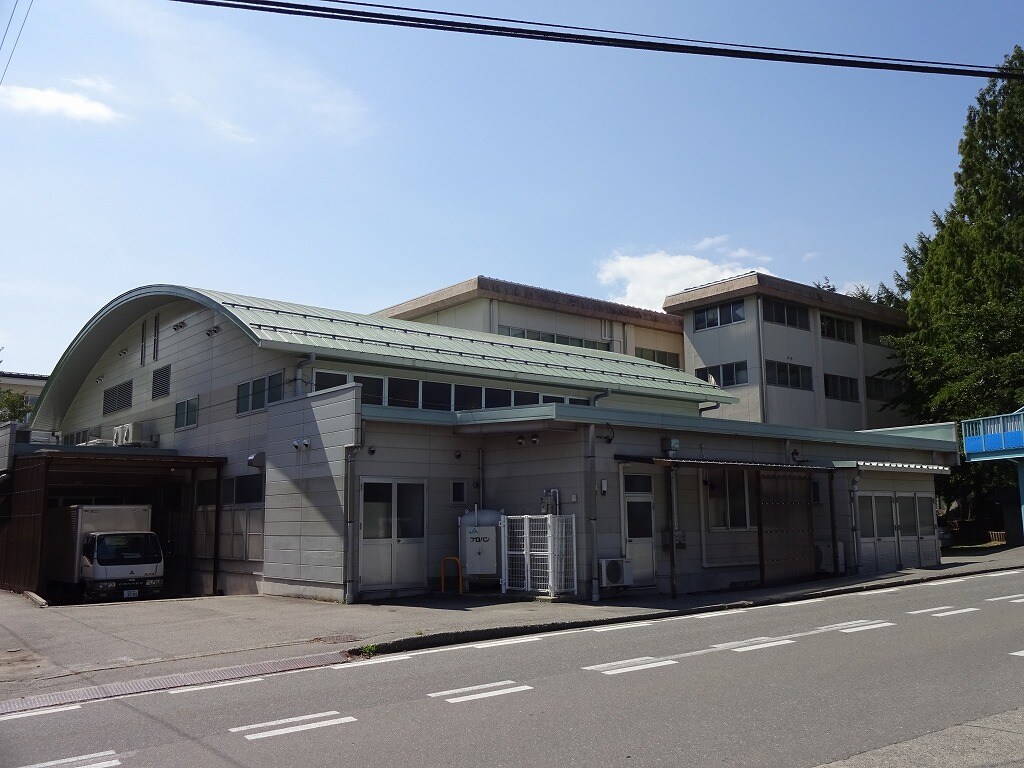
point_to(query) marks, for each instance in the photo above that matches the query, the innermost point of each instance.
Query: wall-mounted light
(371, 450)
(179, 325)
(123, 352)
(458, 454)
(99, 379)
(212, 331)
(520, 440)
(604, 487)
(535, 439)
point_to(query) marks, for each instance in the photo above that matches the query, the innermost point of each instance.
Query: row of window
(256, 394)
(794, 316)
(554, 338)
(435, 395)
(670, 359)
(724, 375)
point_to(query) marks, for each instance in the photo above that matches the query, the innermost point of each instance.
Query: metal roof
(374, 340)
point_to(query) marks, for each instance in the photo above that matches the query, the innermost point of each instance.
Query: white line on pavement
(615, 664)
(296, 728)
(35, 712)
(104, 764)
(614, 627)
(488, 694)
(879, 625)
(216, 685)
(762, 645)
(954, 613)
(638, 667)
(66, 760)
(286, 720)
(870, 592)
(512, 641)
(367, 662)
(1017, 601)
(472, 688)
(1004, 597)
(1017, 653)
(930, 610)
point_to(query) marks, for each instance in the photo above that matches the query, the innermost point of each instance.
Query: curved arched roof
(364, 338)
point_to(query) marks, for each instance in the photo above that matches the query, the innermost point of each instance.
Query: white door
(926, 527)
(910, 540)
(392, 535)
(877, 533)
(638, 526)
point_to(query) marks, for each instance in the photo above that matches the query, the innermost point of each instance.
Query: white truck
(102, 551)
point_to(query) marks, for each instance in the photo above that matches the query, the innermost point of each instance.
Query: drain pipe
(300, 384)
(350, 522)
(590, 486)
(670, 472)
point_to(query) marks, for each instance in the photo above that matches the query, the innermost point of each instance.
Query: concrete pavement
(59, 654)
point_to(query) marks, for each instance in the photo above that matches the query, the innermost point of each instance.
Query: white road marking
(759, 646)
(1017, 653)
(614, 627)
(367, 662)
(216, 685)
(870, 592)
(104, 764)
(1017, 601)
(35, 712)
(929, 610)
(879, 625)
(472, 688)
(954, 613)
(512, 641)
(638, 667)
(1004, 597)
(286, 720)
(945, 581)
(488, 694)
(297, 728)
(67, 760)
(616, 664)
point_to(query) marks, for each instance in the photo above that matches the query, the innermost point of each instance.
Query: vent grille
(162, 382)
(117, 398)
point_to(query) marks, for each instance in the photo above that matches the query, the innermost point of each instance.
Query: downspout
(705, 409)
(350, 522)
(761, 390)
(300, 388)
(854, 523)
(480, 476)
(599, 396)
(216, 532)
(670, 473)
(590, 499)
(832, 513)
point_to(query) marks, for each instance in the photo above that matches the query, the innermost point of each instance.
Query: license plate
(131, 593)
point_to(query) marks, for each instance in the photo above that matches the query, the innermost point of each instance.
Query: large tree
(14, 406)
(963, 355)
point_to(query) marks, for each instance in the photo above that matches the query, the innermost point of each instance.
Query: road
(794, 684)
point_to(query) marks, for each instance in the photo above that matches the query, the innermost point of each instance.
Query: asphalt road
(888, 677)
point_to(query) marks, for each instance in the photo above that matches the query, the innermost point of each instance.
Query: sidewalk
(51, 655)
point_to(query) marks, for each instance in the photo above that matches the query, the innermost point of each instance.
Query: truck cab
(122, 565)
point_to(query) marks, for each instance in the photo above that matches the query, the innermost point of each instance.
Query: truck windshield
(127, 548)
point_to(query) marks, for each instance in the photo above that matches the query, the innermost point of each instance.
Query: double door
(393, 551)
(897, 531)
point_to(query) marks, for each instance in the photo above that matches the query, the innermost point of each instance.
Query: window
(724, 375)
(403, 393)
(785, 313)
(437, 396)
(162, 382)
(328, 379)
(254, 395)
(459, 492)
(142, 359)
(186, 413)
(552, 398)
(249, 489)
(841, 388)
(788, 375)
(241, 534)
(729, 498)
(525, 398)
(837, 328)
(468, 398)
(156, 337)
(117, 398)
(497, 398)
(553, 338)
(876, 333)
(722, 314)
(879, 388)
(670, 359)
(373, 389)
(637, 484)
(579, 401)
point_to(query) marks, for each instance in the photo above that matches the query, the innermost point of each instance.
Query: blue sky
(355, 166)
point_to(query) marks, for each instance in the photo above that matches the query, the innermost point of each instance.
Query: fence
(539, 554)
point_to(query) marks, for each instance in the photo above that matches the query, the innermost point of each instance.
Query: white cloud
(645, 280)
(100, 84)
(49, 101)
(711, 242)
(810, 256)
(238, 86)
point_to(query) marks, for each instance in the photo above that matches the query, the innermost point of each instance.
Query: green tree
(14, 406)
(963, 288)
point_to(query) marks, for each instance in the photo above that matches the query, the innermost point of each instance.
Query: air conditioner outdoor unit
(616, 572)
(823, 560)
(126, 434)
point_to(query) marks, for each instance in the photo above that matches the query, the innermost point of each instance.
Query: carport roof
(376, 340)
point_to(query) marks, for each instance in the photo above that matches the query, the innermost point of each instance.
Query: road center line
(66, 760)
(929, 610)
(488, 694)
(472, 688)
(35, 712)
(614, 627)
(759, 646)
(296, 728)
(1004, 597)
(954, 613)
(638, 667)
(615, 664)
(216, 685)
(879, 625)
(286, 720)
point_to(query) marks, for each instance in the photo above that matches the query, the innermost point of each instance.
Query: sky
(355, 166)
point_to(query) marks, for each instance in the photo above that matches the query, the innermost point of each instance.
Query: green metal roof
(374, 340)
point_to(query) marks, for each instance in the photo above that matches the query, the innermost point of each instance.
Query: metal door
(926, 527)
(392, 534)
(877, 533)
(638, 526)
(909, 539)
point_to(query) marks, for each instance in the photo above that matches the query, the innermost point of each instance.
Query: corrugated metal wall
(21, 525)
(787, 535)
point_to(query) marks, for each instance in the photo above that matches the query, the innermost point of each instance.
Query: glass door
(392, 535)
(909, 540)
(638, 526)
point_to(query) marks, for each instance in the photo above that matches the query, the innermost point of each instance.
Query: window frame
(718, 371)
(726, 313)
(844, 388)
(264, 387)
(831, 325)
(751, 517)
(793, 315)
(192, 411)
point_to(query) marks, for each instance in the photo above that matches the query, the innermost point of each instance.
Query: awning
(778, 466)
(892, 466)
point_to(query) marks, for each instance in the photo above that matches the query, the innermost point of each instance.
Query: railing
(994, 433)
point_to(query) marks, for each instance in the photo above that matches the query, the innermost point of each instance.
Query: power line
(16, 39)
(417, 18)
